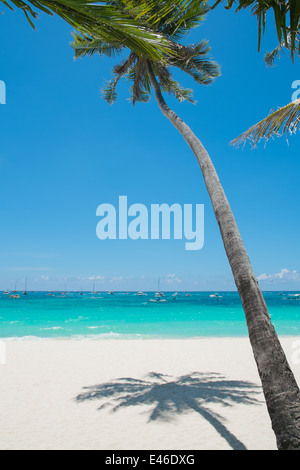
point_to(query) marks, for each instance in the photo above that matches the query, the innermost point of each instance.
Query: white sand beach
(134, 394)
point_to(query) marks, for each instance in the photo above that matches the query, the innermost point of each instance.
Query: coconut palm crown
(191, 59)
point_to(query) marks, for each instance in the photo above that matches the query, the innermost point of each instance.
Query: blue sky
(64, 151)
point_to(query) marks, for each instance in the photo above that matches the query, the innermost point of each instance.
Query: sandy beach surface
(134, 394)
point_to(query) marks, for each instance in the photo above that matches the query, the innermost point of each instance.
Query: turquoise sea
(128, 315)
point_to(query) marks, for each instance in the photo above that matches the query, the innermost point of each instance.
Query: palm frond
(140, 90)
(182, 19)
(193, 60)
(109, 92)
(100, 20)
(271, 56)
(178, 12)
(285, 120)
(173, 18)
(84, 45)
(285, 44)
(286, 16)
(171, 86)
(137, 90)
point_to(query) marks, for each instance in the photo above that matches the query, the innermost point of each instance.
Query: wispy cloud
(284, 275)
(94, 277)
(117, 279)
(42, 278)
(172, 279)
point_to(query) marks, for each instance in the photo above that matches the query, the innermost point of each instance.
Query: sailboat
(93, 292)
(25, 292)
(158, 293)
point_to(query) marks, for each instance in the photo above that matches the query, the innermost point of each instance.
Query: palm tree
(280, 388)
(103, 21)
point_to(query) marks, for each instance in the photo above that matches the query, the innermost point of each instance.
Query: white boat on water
(159, 294)
(297, 296)
(216, 296)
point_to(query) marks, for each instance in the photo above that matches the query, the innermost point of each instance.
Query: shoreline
(130, 337)
(200, 393)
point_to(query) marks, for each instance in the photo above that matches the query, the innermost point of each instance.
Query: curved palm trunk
(279, 385)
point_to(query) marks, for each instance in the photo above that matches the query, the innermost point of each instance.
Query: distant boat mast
(25, 292)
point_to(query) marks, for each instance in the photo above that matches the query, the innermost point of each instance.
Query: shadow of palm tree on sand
(169, 396)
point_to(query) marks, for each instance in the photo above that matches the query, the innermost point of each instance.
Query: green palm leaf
(105, 22)
(284, 44)
(192, 59)
(286, 16)
(285, 120)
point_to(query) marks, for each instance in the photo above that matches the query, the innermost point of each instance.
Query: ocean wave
(52, 328)
(111, 334)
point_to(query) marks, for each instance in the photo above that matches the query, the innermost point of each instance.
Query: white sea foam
(52, 328)
(24, 338)
(110, 334)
